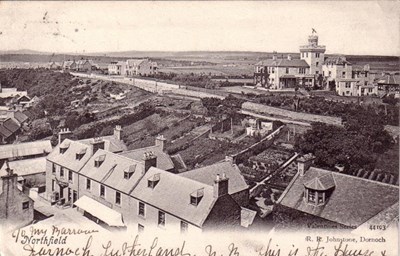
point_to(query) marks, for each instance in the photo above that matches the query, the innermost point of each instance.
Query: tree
(355, 146)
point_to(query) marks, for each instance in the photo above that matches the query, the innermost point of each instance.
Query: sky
(346, 27)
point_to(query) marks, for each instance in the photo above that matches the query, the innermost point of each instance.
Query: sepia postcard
(216, 128)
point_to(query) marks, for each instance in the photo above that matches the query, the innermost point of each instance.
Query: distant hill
(379, 63)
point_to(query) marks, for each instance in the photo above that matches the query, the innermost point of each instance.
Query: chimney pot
(118, 132)
(304, 163)
(221, 186)
(150, 160)
(63, 134)
(160, 141)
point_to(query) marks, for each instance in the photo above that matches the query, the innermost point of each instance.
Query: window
(102, 191)
(70, 175)
(127, 175)
(53, 169)
(88, 184)
(161, 218)
(311, 196)
(369, 89)
(117, 198)
(184, 227)
(140, 228)
(307, 54)
(317, 55)
(320, 198)
(52, 185)
(141, 209)
(195, 200)
(287, 70)
(153, 181)
(25, 205)
(316, 63)
(329, 73)
(196, 196)
(62, 172)
(316, 72)
(273, 70)
(343, 74)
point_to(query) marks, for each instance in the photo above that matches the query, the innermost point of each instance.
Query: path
(280, 168)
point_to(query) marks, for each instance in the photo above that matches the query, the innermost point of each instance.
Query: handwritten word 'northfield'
(47, 237)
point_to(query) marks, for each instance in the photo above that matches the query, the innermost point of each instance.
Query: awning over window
(100, 211)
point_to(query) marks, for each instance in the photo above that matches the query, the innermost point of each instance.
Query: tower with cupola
(313, 53)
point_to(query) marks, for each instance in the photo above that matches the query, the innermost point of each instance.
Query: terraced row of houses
(82, 65)
(133, 67)
(142, 188)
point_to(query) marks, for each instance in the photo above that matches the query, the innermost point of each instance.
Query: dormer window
(99, 160)
(80, 154)
(129, 172)
(196, 196)
(153, 180)
(64, 148)
(318, 190)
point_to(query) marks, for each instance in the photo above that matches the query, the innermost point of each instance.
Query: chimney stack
(150, 160)
(274, 56)
(289, 57)
(339, 167)
(63, 134)
(97, 143)
(221, 185)
(118, 132)
(304, 163)
(230, 159)
(160, 141)
(9, 180)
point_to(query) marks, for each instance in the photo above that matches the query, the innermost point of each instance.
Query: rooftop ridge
(120, 156)
(137, 149)
(180, 177)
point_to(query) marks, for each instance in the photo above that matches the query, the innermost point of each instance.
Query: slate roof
(21, 117)
(68, 158)
(207, 175)
(4, 132)
(340, 60)
(283, 63)
(321, 183)
(68, 63)
(388, 217)
(164, 161)
(172, 195)
(179, 164)
(26, 166)
(353, 201)
(25, 149)
(111, 171)
(111, 143)
(135, 62)
(11, 125)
